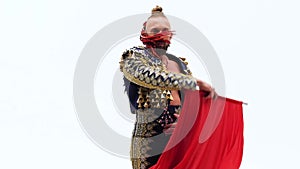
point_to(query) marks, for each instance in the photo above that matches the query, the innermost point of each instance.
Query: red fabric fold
(208, 135)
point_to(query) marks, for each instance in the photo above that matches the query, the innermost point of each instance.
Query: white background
(257, 43)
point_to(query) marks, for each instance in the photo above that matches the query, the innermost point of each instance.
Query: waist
(174, 109)
(152, 114)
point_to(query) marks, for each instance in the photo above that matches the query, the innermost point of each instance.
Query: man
(155, 81)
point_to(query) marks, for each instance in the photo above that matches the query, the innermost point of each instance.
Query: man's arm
(137, 69)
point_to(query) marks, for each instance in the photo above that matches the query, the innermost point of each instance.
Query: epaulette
(127, 53)
(183, 60)
(186, 70)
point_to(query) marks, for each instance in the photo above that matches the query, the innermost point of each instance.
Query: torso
(173, 67)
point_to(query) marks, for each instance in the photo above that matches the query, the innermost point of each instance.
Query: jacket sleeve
(137, 69)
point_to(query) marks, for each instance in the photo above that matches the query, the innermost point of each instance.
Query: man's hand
(207, 88)
(170, 127)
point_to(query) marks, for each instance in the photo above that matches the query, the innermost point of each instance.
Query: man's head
(157, 22)
(156, 32)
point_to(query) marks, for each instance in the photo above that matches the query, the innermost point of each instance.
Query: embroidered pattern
(139, 67)
(152, 103)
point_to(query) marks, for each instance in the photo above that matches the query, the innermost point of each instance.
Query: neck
(164, 59)
(158, 53)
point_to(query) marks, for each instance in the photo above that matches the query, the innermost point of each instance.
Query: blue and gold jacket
(148, 85)
(147, 82)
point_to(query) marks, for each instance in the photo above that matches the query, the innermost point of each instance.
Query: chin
(161, 51)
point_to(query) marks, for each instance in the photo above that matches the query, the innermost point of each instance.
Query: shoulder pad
(126, 54)
(183, 60)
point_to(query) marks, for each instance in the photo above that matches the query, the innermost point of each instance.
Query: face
(158, 24)
(155, 25)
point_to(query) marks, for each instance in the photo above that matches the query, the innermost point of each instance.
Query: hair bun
(157, 9)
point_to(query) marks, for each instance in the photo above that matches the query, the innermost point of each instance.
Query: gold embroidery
(154, 93)
(183, 60)
(144, 130)
(143, 71)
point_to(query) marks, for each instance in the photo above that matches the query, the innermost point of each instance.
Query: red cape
(208, 135)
